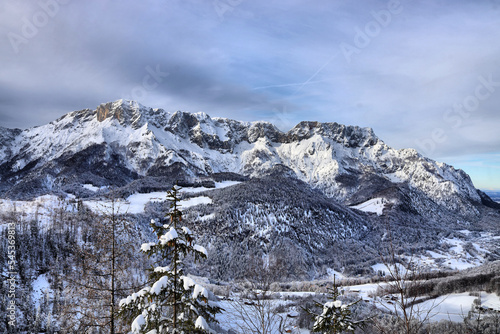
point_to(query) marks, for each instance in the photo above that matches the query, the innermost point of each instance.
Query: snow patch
(225, 184)
(449, 307)
(134, 204)
(375, 205)
(201, 323)
(169, 236)
(138, 323)
(200, 249)
(91, 187)
(195, 201)
(333, 273)
(41, 287)
(218, 185)
(458, 264)
(207, 217)
(435, 255)
(393, 178)
(138, 201)
(380, 267)
(41, 208)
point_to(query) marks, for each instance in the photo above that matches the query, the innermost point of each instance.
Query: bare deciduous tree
(96, 284)
(256, 312)
(402, 292)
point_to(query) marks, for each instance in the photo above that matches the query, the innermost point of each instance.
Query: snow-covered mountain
(334, 158)
(322, 187)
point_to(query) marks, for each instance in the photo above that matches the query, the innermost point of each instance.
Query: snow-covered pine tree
(335, 317)
(174, 303)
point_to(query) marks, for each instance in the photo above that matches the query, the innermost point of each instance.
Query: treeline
(484, 278)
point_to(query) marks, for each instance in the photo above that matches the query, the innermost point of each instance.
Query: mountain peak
(126, 112)
(350, 136)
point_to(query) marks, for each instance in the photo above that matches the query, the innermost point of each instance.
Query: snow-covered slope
(334, 158)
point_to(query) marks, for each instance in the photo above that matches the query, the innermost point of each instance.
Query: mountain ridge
(325, 155)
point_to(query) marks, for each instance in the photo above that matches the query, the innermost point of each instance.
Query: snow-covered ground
(135, 203)
(241, 315)
(380, 267)
(455, 306)
(41, 208)
(333, 273)
(41, 288)
(91, 187)
(195, 201)
(461, 253)
(218, 185)
(374, 205)
(465, 250)
(452, 307)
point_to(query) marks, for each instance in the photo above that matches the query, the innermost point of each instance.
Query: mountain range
(335, 194)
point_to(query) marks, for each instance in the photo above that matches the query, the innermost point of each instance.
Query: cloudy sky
(423, 74)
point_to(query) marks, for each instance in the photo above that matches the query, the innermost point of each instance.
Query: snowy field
(374, 205)
(41, 208)
(455, 306)
(452, 307)
(241, 317)
(41, 289)
(458, 257)
(135, 203)
(44, 207)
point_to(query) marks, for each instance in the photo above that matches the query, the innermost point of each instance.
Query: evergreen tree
(335, 316)
(174, 303)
